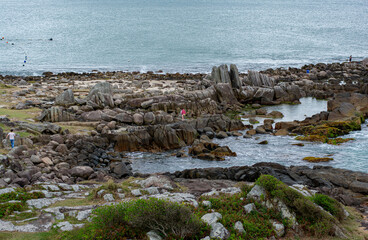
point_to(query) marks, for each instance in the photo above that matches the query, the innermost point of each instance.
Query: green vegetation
(330, 205)
(29, 236)
(328, 132)
(21, 216)
(21, 115)
(311, 218)
(8, 208)
(317, 159)
(73, 202)
(256, 224)
(133, 219)
(21, 195)
(2, 86)
(232, 114)
(108, 187)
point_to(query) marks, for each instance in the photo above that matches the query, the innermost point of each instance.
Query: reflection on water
(351, 155)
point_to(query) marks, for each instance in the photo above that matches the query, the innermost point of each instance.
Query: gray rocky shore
(73, 128)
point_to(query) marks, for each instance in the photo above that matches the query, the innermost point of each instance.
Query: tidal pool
(351, 155)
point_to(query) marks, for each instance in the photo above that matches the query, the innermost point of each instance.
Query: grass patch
(77, 129)
(108, 187)
(5, 86)
(73, 202)
(234, 115)
(21, 115)
(21, 216)
(29, 236)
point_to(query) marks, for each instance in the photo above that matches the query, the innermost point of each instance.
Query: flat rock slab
(176, 197)
(42, 224)
(42, 202)
(200, 186)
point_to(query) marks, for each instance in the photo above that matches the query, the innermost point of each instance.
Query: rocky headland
(74, 130)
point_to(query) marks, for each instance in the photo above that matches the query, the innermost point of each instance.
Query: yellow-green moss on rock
(317, 159)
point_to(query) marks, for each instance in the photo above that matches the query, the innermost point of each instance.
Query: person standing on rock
(350, 58)
(11, 137)
(182, 112)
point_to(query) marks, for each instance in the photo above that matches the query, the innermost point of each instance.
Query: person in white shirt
(11, 137)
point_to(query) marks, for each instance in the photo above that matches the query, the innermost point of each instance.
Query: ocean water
(178, 35)
(351, 155)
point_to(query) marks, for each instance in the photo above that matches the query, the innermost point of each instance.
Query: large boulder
(124, 118)
(101, 95)
(92, 116)
(225, 94)
(258, 79)
(56, 114)
(81, 171)
(65, 99)
(220, 74)
(234, 77)
(264, 95)
(44, 128)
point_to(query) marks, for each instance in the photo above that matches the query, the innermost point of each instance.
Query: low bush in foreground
(20, 195)
(132, 220)
(330, 205)
(8, 208)
(308, 214)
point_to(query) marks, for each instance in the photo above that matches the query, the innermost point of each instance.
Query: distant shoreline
(152, 72)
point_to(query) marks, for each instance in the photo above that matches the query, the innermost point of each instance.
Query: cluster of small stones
(48, 217)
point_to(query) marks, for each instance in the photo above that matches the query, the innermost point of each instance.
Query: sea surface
(352, 155)
(178, 35)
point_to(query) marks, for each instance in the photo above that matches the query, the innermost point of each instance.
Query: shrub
(132, 220)
(20, 195)
(109, 187)
(8, 208)
(163, 216)
(330, 205)
(315, 220)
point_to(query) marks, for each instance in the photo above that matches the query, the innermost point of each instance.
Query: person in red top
(182, 112)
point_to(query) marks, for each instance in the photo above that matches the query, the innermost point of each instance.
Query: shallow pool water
(351, 155)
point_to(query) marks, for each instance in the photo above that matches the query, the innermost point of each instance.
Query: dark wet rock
(325, 179)
(210, 151)
(21, 181)
(234, 77)
(120, 169)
